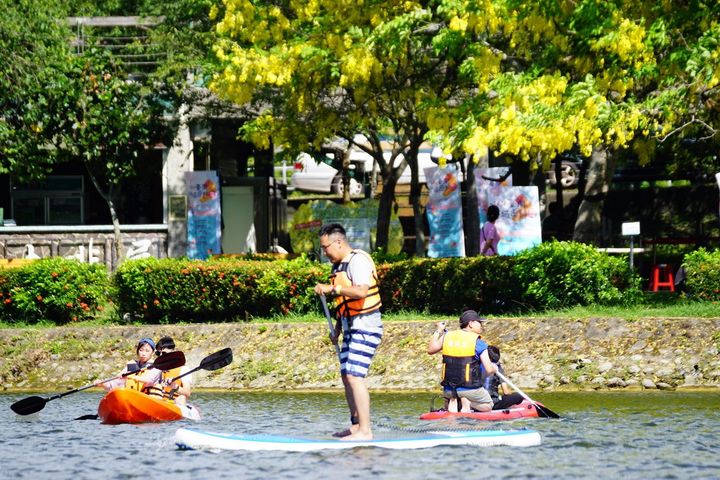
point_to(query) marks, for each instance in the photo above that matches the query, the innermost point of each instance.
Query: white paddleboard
(193, 439)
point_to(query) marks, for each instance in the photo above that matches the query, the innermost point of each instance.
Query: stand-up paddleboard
(192, 439)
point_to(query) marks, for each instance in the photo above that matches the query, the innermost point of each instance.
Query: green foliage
(448, 285)
(54, 289)
(703, 274)
(304, 229)
(177, 289)
(562, 274)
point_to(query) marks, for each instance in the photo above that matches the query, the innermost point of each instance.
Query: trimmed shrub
(55, 289)
(164, 290)
(447, 285)
(702, 270)
(563, 274)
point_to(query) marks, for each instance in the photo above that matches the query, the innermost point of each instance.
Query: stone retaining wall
(551, 354)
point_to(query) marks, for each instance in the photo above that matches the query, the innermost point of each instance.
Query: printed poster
(485, 186)
(444, 213)
(203, 216)
(519, 224)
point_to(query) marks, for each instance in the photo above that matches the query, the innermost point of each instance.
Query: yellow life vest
(133, 381)
(460, 367)
(166, 391)
(350, 307)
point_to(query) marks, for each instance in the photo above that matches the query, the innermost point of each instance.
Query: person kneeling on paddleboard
(144, 351)
(465, 359)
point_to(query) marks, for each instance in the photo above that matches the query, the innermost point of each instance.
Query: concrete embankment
(550, 354)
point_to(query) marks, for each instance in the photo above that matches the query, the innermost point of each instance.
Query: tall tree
(64, 106)
(320, 70)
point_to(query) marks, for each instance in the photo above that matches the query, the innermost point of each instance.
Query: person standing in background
(489, 236)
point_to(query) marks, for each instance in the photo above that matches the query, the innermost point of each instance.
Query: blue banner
(444, 213)
(204, 227)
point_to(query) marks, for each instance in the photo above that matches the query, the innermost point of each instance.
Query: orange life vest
(350, 307)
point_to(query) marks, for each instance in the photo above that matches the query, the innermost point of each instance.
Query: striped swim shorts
(359, 344)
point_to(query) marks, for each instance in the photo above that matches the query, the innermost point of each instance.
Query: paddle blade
(169, 361)
(545, 412)
(29, 405)
(92, 416)
(217, 360)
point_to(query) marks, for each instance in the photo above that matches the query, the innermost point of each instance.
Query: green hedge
(551, 275)
(447, 285)
(563, 274)
(702, 269)
(54, 289)
(164, 290)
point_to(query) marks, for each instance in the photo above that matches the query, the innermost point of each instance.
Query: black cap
(469, 316)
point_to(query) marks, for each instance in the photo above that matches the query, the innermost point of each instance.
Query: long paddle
(331, 327)
(34, 404)
(213, 361)
(542, 410)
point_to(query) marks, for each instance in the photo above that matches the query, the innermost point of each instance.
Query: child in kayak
(144, 351)
(493, 384)
(178, 390)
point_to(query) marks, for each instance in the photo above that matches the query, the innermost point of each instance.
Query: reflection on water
(613, 435)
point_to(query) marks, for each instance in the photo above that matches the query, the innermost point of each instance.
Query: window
(57, 200)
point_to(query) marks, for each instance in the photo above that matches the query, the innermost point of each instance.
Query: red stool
(662, 277)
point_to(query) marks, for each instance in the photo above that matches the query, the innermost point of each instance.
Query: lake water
(601, 435)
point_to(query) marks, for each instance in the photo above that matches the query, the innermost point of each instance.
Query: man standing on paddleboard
(354, 285)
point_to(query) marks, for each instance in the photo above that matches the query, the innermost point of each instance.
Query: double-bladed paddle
(543, 411)
(331, 327)
(213, 361)
(30, 405)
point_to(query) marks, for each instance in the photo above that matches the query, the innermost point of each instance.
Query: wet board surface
(193, 439)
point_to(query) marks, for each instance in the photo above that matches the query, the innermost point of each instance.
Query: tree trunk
(415, 192)
(472, 230)
(588, 226)
(117, 234)
(385, 212)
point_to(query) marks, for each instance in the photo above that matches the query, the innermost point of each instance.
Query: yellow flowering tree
(604, 77)
(321, 69)
(527, 80)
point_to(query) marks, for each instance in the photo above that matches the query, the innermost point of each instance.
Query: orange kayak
(124, 405)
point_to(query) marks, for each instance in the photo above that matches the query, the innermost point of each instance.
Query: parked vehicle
(323, 174)
(569, 170)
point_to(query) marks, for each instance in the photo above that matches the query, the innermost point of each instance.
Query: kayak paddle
(30, 405)
(329, 320)
(543, 411)
(214, 361)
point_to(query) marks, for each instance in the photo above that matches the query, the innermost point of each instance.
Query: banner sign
(519, 223)
(444, 213)
(204, 227)
(486, 185)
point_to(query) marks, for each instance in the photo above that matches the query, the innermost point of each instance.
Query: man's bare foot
(453, 405)
(358, 437)
(347, 432)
